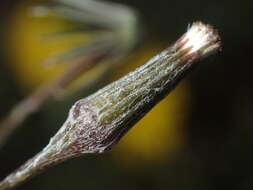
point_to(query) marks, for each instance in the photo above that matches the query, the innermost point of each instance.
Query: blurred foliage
(32, 43)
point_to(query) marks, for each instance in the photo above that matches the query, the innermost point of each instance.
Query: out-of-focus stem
(34, 102)
(97, 122)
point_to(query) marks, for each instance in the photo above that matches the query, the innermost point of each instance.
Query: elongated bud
(97, 122)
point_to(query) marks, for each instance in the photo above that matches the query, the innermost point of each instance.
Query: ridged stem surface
(97, 122)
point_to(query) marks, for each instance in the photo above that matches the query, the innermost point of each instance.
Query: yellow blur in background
(30, 48)
(154, 138)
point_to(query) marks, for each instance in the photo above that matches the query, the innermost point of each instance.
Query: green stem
(97, 122)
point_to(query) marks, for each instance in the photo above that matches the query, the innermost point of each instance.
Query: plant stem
(97, 122)
(37, 99)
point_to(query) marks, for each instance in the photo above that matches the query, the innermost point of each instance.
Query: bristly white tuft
(201, 38)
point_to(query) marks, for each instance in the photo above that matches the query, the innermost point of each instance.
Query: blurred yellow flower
(29, 47)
